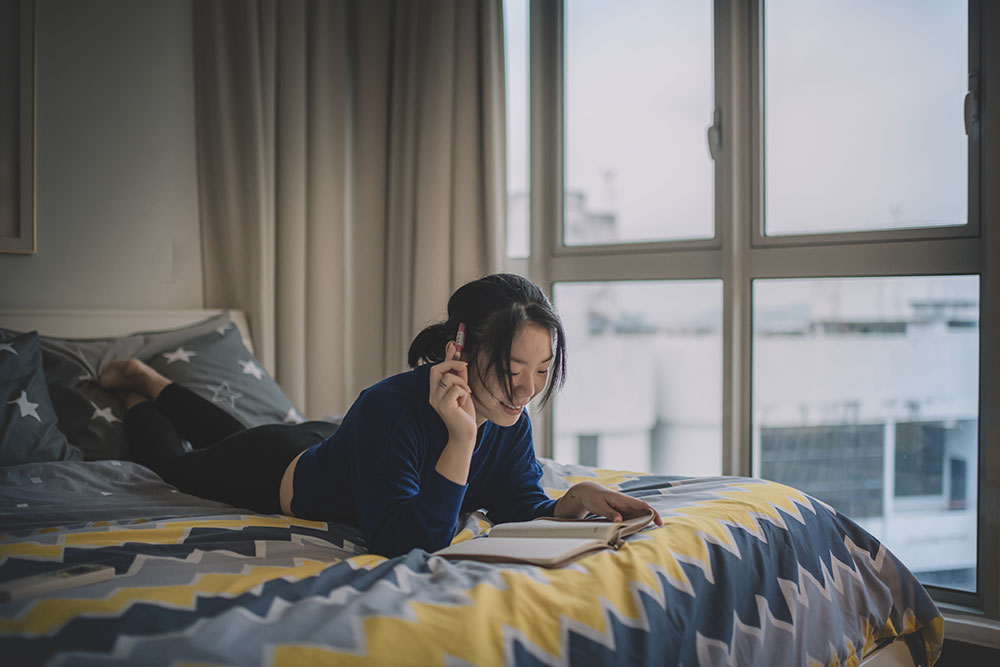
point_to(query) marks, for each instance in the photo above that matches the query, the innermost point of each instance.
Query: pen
(460, 340)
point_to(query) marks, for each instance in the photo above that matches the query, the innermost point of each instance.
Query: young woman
(412, 453)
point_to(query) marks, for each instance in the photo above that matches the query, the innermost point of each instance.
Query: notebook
(548, 542)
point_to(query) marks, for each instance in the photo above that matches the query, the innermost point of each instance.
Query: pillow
(93, 354)
(92, 418)
(28, 430)
(219, 368)
(88, 415)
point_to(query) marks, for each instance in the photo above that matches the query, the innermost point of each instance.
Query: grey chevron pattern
(743, 572)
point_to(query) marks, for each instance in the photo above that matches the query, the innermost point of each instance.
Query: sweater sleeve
(399, 508)
(516, 494)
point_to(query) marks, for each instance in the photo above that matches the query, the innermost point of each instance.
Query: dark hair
(494, 308)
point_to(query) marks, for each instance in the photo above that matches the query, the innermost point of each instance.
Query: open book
(548, 542)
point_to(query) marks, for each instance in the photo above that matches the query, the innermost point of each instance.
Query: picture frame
(17, 127)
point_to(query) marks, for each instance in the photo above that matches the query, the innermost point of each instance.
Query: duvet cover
(743, 572)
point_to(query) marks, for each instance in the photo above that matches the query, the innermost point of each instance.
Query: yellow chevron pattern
(48, 614)
(474, 632)
(167, 532)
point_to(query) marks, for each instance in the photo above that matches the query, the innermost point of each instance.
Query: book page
(538, 551)
(602, 529)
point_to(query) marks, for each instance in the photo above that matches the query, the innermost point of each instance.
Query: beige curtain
(351, 168)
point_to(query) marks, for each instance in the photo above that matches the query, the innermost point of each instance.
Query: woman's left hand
(591, 497)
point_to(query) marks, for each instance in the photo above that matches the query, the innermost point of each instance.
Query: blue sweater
(377, 471)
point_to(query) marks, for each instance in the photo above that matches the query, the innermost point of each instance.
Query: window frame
(739, 252)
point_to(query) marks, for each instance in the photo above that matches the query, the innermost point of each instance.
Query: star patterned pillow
(89, 416)
(28, 423)
(92, 419)
(219, 368)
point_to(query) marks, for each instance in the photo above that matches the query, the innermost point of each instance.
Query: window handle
(715, 135)
(972, 107)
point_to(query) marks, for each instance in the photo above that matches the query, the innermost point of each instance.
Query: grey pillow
(218, 367)
(28, 424)
(89, 416)
(92, 418)
(93, 354)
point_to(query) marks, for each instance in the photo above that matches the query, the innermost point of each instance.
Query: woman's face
(530, 358)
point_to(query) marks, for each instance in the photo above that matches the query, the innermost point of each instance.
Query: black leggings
(229, 462)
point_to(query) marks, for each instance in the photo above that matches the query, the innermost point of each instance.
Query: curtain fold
(351, 172)
(234, 163)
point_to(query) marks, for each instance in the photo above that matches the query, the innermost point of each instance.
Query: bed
(743, 572)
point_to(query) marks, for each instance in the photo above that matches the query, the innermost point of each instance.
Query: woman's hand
(591, 497)
(451, 398)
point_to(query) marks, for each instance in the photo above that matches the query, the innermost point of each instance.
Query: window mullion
(545, 159)
(546, 111)
(988, 14)
(663, 265)
(734, 41)
(938, 257)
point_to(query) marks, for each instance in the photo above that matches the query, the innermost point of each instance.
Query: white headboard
(107, 323)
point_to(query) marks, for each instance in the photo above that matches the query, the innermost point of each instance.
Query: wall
(117, 198)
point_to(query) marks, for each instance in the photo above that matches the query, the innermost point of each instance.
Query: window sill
(969, 627)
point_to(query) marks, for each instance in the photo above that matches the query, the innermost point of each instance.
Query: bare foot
(132, 375)
(124, 374)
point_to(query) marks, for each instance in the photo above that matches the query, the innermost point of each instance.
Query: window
(648, 375)
(959, 482)
(638, 89)
(516, 66)
(589, 449)
(842, 465)
(812, 172)
(920, 459)
(879, 119)
(863, 388)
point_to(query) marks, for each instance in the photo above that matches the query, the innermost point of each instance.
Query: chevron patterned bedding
(744, 572)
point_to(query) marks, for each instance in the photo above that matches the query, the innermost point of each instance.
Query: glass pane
(638, 102)
(866, 395)
(644, 388)
(863, 113)
(516, 49)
